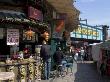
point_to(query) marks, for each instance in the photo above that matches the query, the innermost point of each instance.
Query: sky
(97, 12)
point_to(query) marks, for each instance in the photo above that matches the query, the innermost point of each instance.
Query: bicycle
(59, 72)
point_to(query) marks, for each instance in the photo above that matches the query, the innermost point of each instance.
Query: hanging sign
(12, 36)
(29, 35)
(35, 14)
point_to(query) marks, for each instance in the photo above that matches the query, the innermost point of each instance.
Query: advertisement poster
(59, 28)
(12, 36)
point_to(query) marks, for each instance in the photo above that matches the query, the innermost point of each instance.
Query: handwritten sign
(12, 36)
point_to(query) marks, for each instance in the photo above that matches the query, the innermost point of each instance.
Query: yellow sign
(87, 31)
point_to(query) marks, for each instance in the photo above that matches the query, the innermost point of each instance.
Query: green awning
(21, 19)
(4, 15)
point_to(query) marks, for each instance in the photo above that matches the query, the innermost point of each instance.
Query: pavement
(82, 72)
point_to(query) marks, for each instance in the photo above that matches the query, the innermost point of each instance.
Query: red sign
(59, 25)
(35, 14)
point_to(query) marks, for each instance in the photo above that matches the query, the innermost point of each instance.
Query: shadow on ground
(87, 72)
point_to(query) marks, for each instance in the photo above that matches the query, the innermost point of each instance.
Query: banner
(35, 14)
(59, 28)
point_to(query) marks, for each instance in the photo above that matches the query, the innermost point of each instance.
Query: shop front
(101, 55)
(19, 38)
(19, 33)
(105, 57)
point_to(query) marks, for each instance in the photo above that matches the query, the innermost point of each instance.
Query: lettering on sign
(87, 31)
(12, 36)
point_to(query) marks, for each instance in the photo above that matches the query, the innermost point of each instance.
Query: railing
(25, 70)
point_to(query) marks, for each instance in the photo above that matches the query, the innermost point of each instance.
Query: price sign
(12, 36)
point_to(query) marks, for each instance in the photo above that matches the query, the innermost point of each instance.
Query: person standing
(82, 53)
(76, 55)
(45, 55)
(58, 57)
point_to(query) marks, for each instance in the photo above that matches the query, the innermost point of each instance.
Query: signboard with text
(35, 14)
(12, 36)
(87, 32)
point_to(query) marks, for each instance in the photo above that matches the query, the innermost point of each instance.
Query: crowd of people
(82, 53)
(59, 56)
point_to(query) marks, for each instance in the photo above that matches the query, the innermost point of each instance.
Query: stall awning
(20, 18)
(105, 45)
(66, 6)
(12, 16)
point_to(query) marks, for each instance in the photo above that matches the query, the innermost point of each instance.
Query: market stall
(101, 55)
(105, 56)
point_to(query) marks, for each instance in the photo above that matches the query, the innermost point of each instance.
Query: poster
(12, 36)
(59, 28)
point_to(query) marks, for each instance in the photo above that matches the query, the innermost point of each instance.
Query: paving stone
(82, 72)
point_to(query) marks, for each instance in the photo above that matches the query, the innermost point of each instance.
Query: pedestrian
(72, 52)
(76, 55)
(103, 67)
(82, 53)
(45, 55)
(58, 57)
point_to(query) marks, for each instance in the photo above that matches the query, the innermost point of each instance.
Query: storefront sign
(12, 36)
(87, 32)
(35, 14)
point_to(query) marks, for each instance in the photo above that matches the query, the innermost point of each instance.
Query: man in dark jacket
(45, 55)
